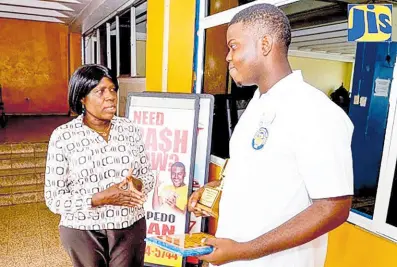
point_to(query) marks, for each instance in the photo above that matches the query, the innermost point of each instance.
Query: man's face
(243, 57)
(177, 176)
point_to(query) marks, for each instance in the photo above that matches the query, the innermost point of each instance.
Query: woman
(89, 158)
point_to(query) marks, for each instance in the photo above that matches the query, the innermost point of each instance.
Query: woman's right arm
(58, 197)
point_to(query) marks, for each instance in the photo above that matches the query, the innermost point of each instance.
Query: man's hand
(171, 201)
(195, 197)
(193, 200)
(225, 251)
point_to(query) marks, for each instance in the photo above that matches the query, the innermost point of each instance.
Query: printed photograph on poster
(168, 133)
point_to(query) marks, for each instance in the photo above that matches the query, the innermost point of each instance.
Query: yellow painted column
(154, 45)
(181, 46)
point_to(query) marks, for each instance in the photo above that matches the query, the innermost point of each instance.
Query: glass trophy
(211, 196)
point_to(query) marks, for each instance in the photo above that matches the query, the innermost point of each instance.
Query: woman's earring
(83, 111)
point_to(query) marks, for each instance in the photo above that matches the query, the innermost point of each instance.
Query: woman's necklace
(103, 133)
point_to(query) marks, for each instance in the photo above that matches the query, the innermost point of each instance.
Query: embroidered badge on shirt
(259, 140)
(262, 134)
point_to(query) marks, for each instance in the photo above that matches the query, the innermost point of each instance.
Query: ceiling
(79, 15)
(319, 27)
(327, 41)
(61, 11)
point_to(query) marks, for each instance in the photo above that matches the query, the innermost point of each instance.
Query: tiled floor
(29, 237)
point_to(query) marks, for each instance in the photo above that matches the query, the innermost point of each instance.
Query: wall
(33, 63)
(351, 246)
(127, 85)
(180, 46)
(141, 58)
(74, 52)
(325, 75)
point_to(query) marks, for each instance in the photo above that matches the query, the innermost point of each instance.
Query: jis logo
(369, 23)
(260, 138)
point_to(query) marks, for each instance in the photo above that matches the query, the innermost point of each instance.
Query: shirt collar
(282, 85)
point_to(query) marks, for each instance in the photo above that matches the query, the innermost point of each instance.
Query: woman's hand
(116, 196)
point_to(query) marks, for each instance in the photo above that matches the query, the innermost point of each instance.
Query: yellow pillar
(180, 45)
(154, 45)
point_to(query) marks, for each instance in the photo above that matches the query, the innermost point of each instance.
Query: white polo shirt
(290, 146)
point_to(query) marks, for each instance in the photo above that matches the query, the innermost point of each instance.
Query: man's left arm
(321, 217)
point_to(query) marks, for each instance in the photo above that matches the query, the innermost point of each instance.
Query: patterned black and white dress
(81, 163)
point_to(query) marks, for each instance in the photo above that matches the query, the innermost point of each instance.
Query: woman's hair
(83, 80)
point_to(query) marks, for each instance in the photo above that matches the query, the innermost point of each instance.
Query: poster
(201, 164)
(168, 127)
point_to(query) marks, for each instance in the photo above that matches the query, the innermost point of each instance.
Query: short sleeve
(324, 157)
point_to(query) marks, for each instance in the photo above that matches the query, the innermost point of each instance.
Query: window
(391, 211)
(103, 45)
(125, 43)
(120, 42)
(113, 46)
(141, 24)
(385, 214)
(216, 6)
(216, 74)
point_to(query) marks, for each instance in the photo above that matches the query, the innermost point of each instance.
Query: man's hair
(83, 80)
(266, 19)
(178, 164)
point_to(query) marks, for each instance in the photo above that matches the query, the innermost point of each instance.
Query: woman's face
(101, 102)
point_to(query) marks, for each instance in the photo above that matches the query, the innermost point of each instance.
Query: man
(175, 195)
(289, 179)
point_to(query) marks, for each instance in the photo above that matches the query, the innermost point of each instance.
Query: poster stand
(176, 128)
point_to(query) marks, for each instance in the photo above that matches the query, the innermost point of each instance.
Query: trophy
(211, 196)
(134, 183)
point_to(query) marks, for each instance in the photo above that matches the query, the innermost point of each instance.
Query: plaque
(211, 196)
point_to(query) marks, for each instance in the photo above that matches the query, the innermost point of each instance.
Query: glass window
(113, 44)
(215, 65)
(141, 24)
(216, 6)
(125, 43)
(103, 45)
(392, 210)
